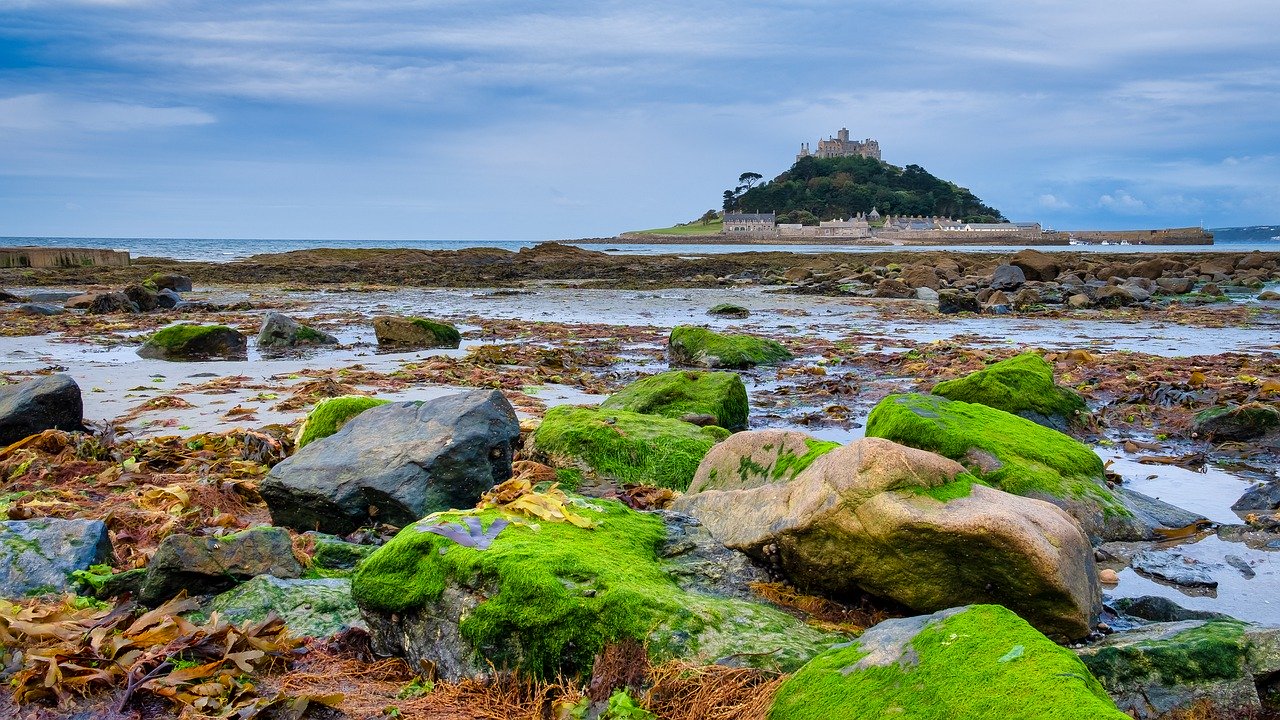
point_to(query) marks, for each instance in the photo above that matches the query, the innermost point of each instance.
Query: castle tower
(843, 135)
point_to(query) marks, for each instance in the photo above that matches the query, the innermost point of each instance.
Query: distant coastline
(1162, 236)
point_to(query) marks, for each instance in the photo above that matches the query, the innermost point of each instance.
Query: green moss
(1033, 459)
(445, 333)
(983, 663)
(331, 414)
(1214, 651)
(683, 392)
(691, 345)
(557, 593)
(729, 310)
(178, 336)
(569, 478)
(959, 487)
(335, 558)
(788, 464)
(308, 334)
(625, 446)
(1022, 385)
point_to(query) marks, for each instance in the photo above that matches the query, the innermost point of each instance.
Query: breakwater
(58, 257)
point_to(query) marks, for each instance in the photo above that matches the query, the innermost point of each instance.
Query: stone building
(842, 146)
(750, 224)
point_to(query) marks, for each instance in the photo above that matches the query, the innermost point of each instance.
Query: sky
(480, 119)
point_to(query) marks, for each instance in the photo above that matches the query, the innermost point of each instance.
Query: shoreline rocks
(52, 402)
(187, 341)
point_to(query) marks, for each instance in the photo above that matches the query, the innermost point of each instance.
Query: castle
(842, 146)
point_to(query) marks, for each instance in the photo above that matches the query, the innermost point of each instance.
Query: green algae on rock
(330, 414)
(1022, 385)
(624, 446)
(187, 341)
(750, 459)
(729, 310)
(546, 599)
(1008, 452)
(1236, 422)
(310, 607)
(415, 332)
(680, 393)
(980, 662)
(699, 347)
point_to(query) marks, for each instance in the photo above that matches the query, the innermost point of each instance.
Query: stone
(697, 562)
(310, 608)
(281, 331)
(692, 346)
(748, 460)
(796, 274)
(144, 298)
(953, 301)
(1069, 280)
(396, 463)
(202, 564)
(51, 402)
(1022, 385)
(1176, 285)
(330, 414)
(1007, 277)
(8, 297)
(52, 296)
(166, 281)
(1107, 576)
(1241, 422)
(1211, 290)
(1252, 261)
(38, 556)
(1154, 608)
(413, 332)
(167, 299)
(1268, 296)
(1079, 301)
(110, 302)
(1036, 265)
(927, 295)
(880, 518)
(1137, 293)
(186, 341)
(920, 276)
(1263, 498)
(545, 602)
(891, 288)
(729, 310)
(1172, 566)
(1026, 298)
(1113, 296)
(334, 557)
(1154, 268)
(41, 310)
(677, 393)
(975, 662)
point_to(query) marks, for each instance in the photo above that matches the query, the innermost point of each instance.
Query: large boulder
(1236, 422)
(1010, 453)
(309, 607)
(750, 459)
(624, 447)
(1022, 385)
(877, 517)
(38, 556)
(1008, 277)
(396, 463)
(167, 281)
(954, 301)
(202, 565)
(281, 331)
(51, 402)
(544, 602)
(698, 347)
(1036, 265)
(1210, 666)
(415, 332)
(109, 302)
(187, 341)
(682, 393)
(977, 663)
(145, 298)
(330, 414)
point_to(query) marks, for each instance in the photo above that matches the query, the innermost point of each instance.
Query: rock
(1264, 497)
(1174, 567)
(1026, 298)
(699, 347)
(37, 557)
(729, 310)
(1035, 265)
(111, 302)
(891, 288)
(42, 310)
(280, 331)
(680, 392)
(310, 608)
(920, 276)
(1107, 576)
(1137, 293)
(1069, 279)
(52, 296)
(1157, 518)
(796, 274)
(395, 463)
(545, 602)
(203, 565)
(51, 402)
(176, 283)
(1113, 296)
(145, 299)
(700, 419)
(697, 562)
(330, 414)
(1079, 301)
(1154, 608)
(1211, 290)
(953, 301)
(1022, 385)
(624, 447)
(880, 518)
(980, 662)
(927, 295)
(1154, 268)
(1012, 454)
(1176, 285)
(1242, 422)
(8, 297)
(1252, 261)
(1210, 666)
(1268, 295)
(412, 332)
(1008, 277)
(167, 299)
(333, 557)
(748, 460)
(186, 341)
(81, 301)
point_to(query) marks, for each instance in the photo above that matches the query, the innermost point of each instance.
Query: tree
(730, 200)
(748, 179)
(708, 216)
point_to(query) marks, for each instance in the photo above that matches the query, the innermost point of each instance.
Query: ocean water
(1234, 239)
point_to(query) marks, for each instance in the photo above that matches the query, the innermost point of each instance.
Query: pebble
(1107, 576)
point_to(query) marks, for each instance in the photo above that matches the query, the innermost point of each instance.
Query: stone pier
(59, 257)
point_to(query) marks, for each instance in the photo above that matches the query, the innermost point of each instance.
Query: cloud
(1121, 201)
(43, 112)
(1053, 202)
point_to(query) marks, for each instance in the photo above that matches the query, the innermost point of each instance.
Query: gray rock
(281, 331)
(1243, 422)
(1265, 497)
(1154, 608)
(1150, 518)
(38, 556)
(214, 341)
(1176, 285)
(38, 309)
(1008, 277)
(51, 296)
(8, 297)
(177, 283)
(333, 556)
(927, 294)
(203, 565)
(1173, 566)
(45, 403)
(699, 563)
(310, 608)
(1114, 296)
(396, 463)
(951, 301)
(144, 298)
(1137, 293)
(111, 302)
(167, 299)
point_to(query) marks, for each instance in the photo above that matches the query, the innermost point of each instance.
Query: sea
(1231, 239)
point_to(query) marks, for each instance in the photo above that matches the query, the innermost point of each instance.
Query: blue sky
(477, 119)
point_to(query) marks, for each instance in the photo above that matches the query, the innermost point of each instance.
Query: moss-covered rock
(980, 662)
(329, 415)
(1022, 385)
(699, 347)
(681, 393)
(309, 607)
(750, 459)
(415, 332)
(333, 557)
(623, 446)
(729, 310)
(545, 600)
(186, 341)
(1236, 422)
(1008, 452)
